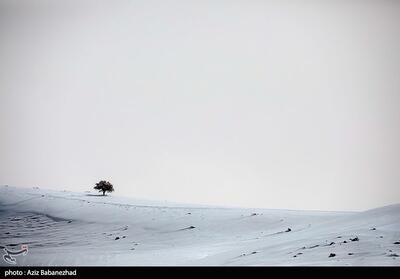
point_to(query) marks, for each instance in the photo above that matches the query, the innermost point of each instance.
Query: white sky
(277, 104)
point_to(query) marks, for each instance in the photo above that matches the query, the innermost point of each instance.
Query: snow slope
(65, 228)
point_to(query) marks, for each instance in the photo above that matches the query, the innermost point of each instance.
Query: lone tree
(104, 186)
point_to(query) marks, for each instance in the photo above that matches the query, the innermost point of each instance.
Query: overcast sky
(276, 104)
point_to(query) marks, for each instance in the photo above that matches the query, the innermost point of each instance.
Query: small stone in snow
(331, 255)
(298, 254)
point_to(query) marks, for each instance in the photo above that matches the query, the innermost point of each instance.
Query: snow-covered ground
(66, 228)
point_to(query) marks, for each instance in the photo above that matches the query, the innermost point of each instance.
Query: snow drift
(65, 228)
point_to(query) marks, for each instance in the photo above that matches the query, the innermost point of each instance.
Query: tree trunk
(104, 193)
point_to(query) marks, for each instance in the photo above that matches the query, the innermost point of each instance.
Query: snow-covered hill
(65, 228)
